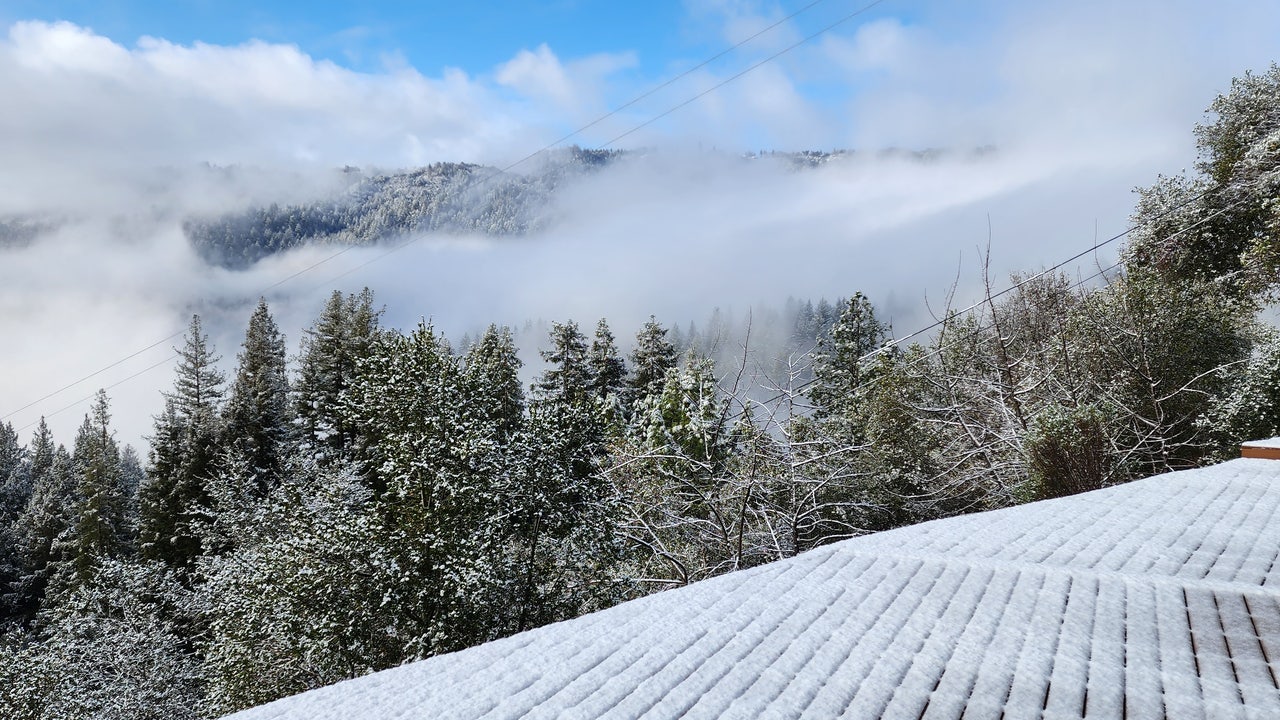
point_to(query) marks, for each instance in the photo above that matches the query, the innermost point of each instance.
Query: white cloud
(81, 106)
(537, 73)
(573, 90)
(877, 45)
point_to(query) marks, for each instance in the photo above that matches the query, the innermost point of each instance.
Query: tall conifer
(185, 448)
(331, 349)
(257, 419)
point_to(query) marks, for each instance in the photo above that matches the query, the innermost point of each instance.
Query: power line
(860, 11)
(487, 178)
(731, 78)
(892, 344)
(91, 375)
(1046, 271)
(673, 80)
(504, 170)
(122, 381)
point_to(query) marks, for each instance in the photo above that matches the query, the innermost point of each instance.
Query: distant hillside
(443, 197)
(450, 197)
(20, 231)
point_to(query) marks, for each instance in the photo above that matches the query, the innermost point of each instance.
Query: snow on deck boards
(1158, 598)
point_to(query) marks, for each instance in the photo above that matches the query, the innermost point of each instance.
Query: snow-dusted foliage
(447, 197)
(116, 648)
(1221, 224)
(1151, 599)
(299, 602)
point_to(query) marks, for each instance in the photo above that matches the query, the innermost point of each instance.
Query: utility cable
(1047, 271)
(92, 375)
(980, 327)
(87, 398)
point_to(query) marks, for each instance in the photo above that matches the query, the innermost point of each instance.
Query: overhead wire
(980, 327)
(1092, 249)
(808, 38)
(92, 375)
(549, 146)
(87, 398)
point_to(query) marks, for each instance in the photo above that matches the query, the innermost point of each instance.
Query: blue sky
(432, 34)
(654, 40)
(411, 82)
(429, 35)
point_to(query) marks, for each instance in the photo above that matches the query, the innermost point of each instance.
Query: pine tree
(306, 598)
(15, 481)
(608, 371)
(492, 367)
(132, 476)
(99, 525)
(112, 649)
(46, 517)
(15, 491)
(568, 376)
(688, 421)
(41, 452)
(331, 349)
(431, 459)
(198, 385)
(804, 327)
(558, 518)
(185, 449)
(257, 419)
(840, 365)
(651, 359)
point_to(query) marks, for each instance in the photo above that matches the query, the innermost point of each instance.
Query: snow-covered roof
(1157, 598)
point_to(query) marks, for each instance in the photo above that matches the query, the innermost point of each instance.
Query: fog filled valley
(467, 245)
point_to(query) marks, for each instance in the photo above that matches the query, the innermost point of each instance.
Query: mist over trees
(455, 198)
(450, 197)
(383, 496)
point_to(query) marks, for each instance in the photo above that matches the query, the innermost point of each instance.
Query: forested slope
(449, 197)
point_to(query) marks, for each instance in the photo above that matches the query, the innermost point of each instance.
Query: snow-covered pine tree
(567, 377)
(185, 448)
(15, 492)
(15, 480)
(47, 517)
(331, 348)
(432, 461)
(198, 384)
(111, 649)
(686, 507)
(306, 597)
(491, 368)
(839, 367)
(99, 526)
(257, 419)
(608, 370)
(651, 359)
(559, 511)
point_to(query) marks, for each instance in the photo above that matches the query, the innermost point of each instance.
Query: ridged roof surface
(1157, 598)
